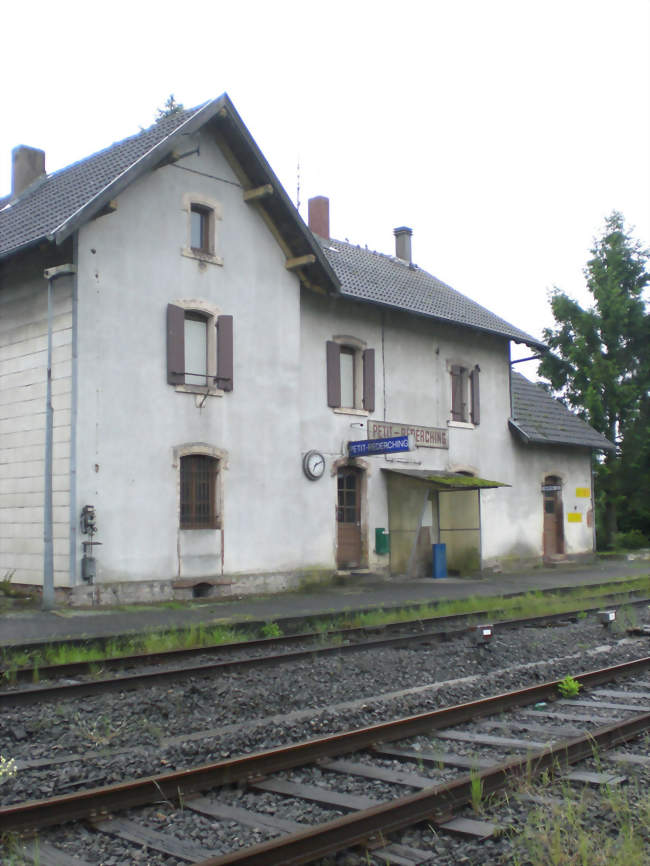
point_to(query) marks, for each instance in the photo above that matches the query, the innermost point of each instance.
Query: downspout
(50, 274)
(510, 375)
(593, 501)
(74, 521)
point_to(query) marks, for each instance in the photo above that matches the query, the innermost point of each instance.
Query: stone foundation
(186, 589)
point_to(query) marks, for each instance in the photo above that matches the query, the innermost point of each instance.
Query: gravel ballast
(209, 718)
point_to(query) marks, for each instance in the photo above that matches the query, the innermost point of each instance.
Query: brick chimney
(403, 243)
(319, 216)
(27, 165)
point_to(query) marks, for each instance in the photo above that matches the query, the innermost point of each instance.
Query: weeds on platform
(151, 642)
(569, 687)
(530, 604)
(564, 832)
(271, 629)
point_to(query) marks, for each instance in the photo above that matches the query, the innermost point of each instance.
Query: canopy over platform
(447, 480)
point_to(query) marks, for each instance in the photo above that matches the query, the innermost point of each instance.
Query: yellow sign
(583, 492)
(574, 517)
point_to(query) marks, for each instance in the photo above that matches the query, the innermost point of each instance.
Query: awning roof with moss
(447, 480)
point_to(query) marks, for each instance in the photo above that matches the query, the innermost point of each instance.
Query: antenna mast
(298, 185)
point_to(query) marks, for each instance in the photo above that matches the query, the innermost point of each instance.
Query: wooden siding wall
(23, 374)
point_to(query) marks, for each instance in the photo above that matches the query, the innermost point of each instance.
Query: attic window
(202, 216)
(201, 229)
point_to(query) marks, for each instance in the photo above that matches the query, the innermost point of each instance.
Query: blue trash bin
(439, 560)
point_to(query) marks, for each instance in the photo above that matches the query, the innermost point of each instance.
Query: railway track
(141, 671)
(353, 789)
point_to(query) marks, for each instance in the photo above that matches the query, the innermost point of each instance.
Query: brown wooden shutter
(175, 345)
(225, 353)
(333, 374)
(476, 397)
(457, 393)
(369, 380)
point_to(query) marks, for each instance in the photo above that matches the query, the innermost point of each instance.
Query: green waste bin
(382, 540)
(439, 560)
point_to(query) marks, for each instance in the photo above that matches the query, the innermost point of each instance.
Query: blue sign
(380, 446)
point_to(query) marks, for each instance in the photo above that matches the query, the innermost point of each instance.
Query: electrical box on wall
(88, 568)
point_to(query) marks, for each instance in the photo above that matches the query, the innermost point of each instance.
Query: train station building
(213, 357)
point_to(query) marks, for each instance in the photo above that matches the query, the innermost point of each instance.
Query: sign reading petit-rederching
(390, 445)
(424, 437)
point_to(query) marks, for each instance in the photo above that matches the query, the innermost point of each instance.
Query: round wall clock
(313, 465)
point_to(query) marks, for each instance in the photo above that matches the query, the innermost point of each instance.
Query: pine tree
(170, 107)
(600, 366)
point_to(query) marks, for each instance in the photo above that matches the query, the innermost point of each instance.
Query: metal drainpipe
(51, 274)
(74, 521)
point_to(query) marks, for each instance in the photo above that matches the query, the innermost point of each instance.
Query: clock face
(313, 465)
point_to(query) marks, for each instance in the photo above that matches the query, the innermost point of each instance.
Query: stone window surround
(215, 213)
(456, 362)
(348, 342)
(206, 450)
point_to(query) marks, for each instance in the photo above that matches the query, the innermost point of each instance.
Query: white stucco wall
(130, 419)
(132, 425)
(413, 386)
(23, 377)
(512, 519)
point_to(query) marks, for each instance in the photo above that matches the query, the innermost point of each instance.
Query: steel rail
(172, 786)
(436, 803)
(143, 679)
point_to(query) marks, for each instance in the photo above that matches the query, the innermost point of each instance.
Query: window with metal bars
(199, 492)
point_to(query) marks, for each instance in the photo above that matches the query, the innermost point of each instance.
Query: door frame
(363, 471)
(551, 480)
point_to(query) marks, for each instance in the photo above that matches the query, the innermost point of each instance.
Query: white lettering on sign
(423, 437)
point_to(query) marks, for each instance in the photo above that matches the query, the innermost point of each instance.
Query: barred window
(199, 492)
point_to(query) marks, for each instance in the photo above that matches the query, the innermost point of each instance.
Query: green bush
(632, 540)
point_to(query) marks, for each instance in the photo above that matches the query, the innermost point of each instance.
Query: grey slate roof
(45, 205)
(392, 282)
(54, 206)
(540, 419)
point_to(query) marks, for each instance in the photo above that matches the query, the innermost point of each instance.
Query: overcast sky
(502, 131)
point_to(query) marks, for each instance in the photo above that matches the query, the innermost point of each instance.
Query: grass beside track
(530, 604)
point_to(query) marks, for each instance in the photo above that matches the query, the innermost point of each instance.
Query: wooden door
(553, 516)
(348, 517)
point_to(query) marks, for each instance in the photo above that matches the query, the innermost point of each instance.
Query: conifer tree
(600, 366)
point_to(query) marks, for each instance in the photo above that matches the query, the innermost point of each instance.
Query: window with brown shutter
(475, 395)
(333, 359)
(200, 350)
(458, 393)
(198, 491)
(350, 376)
(465, 396)
(369, 380)
(225, 353)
